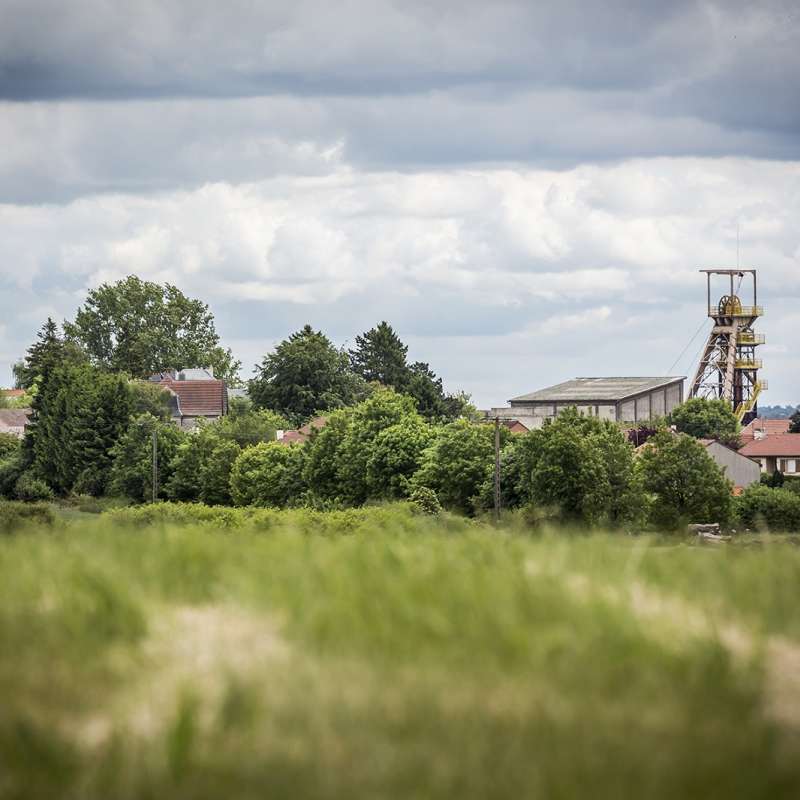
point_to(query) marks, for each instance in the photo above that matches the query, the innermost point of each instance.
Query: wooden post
(155, 465)
(497, 470)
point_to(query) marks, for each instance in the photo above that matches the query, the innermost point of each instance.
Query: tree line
(92, 409)
(391, 431)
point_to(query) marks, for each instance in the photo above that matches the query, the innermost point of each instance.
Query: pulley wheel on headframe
(729, 305)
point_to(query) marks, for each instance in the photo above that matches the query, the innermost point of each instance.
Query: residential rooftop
(777, 444)
(597, 389)
(765, 427)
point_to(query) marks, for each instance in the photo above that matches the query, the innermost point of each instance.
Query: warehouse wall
(673, 397)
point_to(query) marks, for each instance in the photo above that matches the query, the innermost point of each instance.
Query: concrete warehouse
(615, 399)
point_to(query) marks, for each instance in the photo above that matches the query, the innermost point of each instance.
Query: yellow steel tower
(728, 368)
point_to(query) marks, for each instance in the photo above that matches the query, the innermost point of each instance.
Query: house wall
(738, 468)
(789, 465)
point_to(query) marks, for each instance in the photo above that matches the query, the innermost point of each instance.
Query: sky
(525, 191)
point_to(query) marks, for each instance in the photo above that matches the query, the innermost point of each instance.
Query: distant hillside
(776, 412)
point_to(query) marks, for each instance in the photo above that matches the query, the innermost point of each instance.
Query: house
(300, 436)
(740, 469)
(776, 451)
(513, 424)
(14, 420)
(195, 394)
(761, 427)
(12, 393)
(615, 399)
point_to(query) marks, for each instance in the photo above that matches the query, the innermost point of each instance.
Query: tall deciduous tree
(683, 482)
(458, 462)
(140, 327)
(706, 419)
(794, 422)
(305, 374)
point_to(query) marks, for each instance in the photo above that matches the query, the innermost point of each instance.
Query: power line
(688, 345)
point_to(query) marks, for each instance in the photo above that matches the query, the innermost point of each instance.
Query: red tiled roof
(291, 437)
(769, 426)
(778, 444)
(199, 398)
(301, 434)
(317, 422)
(12, 392)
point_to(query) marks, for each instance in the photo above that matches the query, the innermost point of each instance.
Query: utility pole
(155, 465)
(497, 470)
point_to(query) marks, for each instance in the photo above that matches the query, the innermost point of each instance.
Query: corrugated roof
(589, 389)
(779, 444)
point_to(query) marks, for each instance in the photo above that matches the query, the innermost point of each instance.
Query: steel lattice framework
(728, 368)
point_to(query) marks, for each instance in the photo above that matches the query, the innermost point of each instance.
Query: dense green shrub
(792, 482)
(14, 515)
(683, 483)
(458, 462)
(215, 473)
(393, 516)
(247, 427)
(269, 474)
(11, 468)
(706, 419)
(30, 488)
(425, 500)
(577, 467)
(395, 455)
(393, 458)
(323, 455)
(132, 469)
(9, 445)
(778, 509)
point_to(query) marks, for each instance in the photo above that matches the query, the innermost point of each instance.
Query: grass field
(389, 655)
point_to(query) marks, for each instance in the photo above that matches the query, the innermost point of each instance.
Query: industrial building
(614, 399)
(728, 369)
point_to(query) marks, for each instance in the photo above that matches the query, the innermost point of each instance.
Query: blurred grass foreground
(175, 652)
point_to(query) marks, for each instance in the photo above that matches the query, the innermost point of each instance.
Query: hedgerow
(777, 509)
(15, 515)
(394, 516)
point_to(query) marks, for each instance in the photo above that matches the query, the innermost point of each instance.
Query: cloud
(500, 278)
(525, 190)
(157, 96)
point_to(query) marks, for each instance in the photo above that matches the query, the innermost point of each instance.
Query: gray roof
(13, 418)
(592, 389)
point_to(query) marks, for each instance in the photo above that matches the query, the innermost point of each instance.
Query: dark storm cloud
(725, 64)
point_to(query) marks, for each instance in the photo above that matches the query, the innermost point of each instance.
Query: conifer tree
(380, 355)
(305, 374)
